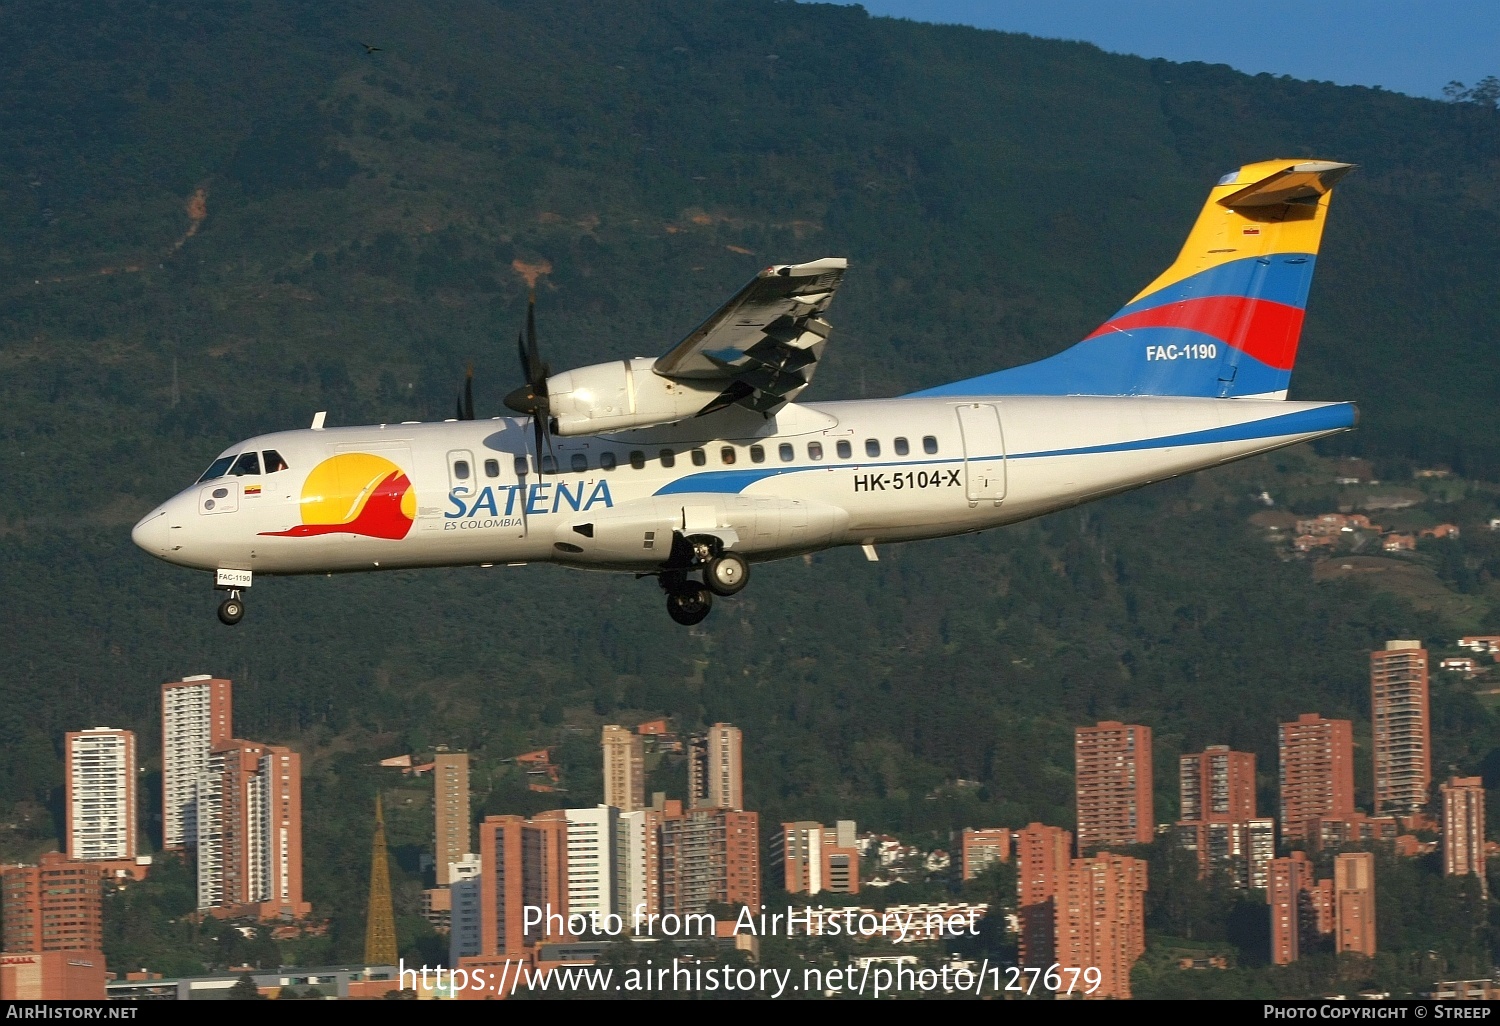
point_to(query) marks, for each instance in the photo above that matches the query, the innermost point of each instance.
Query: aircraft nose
(151, 534)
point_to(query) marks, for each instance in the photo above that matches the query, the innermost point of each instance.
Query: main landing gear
(724, 574)
(232, 609)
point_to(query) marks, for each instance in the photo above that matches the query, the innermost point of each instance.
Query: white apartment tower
(593, 860)
(195, 718)
(101, 801)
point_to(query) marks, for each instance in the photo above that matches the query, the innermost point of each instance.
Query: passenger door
(984, 452)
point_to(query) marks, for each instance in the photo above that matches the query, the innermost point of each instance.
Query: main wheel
(726, 574)
(231, 611)
(689, 604)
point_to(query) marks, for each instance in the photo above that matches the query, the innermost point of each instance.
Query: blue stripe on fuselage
(1333, 417)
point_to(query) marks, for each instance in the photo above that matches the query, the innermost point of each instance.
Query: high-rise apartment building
(249, 831)
(980, 849)
(1217, 786)
(715, 777)
(56, 905)
(1260, 849)
(1113, 763)
(1043, 857)
(1463, 828)
(450, 812)
(1237, 851)
(523, 862)
(1101, 919)
(624, 769)
(1317, 773)
(99, 775)
(1216, 790)
(816, 858)
(1354, 894)
(707, 857)
(1289, 879)
(1403, 737)
(464, 931)
(640, 862)
(196, 717)
(594, 860)
(54, 933)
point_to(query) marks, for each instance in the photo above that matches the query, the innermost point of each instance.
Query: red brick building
(1317, 773)
(1043, 857)
(1113, 766)
(1101, 919)
(982, 848)
(1403, 728)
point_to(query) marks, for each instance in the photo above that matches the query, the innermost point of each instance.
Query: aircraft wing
(764, 343)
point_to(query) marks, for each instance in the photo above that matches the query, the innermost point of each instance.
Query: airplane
(693, 466)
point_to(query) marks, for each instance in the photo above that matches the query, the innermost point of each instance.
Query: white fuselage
(811, 477)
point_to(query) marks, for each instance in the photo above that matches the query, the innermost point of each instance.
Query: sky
(1402, 45)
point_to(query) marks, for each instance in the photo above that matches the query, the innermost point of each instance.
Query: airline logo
(355, 493)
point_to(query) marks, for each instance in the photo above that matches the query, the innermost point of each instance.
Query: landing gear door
(984, 452)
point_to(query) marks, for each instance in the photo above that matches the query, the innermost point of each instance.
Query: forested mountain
(216, 219)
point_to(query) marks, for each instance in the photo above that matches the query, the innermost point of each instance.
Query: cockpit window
(274, 462)
(248, 463)
(218, 468)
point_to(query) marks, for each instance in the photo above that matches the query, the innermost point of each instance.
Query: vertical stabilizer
(1224, 320)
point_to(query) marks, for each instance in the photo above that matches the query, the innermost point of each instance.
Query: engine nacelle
(621, 395)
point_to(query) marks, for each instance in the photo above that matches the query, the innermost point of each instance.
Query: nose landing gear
(232, 609)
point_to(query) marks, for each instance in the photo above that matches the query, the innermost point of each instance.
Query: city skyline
(678, 858)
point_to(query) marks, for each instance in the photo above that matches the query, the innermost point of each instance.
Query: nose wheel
(232, 609)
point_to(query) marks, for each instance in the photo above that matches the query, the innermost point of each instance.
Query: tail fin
(1224, 320)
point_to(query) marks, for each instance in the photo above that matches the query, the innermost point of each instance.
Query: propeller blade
(468, 407)
(537, 370)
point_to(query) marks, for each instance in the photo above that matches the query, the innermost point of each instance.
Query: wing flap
(765, 342)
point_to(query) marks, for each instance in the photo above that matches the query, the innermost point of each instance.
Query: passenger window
(814, 450)
(638, 460)
(726, 455)
(668, 458)
(216, 469)
(786, 452)
(549, 464)
(757, 454)
(491, 468)
(929, 444)
(523, 466)
(461, 469)
(580, 463)
(901, 447)
(872, 447)
(248, 463)
(845, 450)
(607, 461)
(274, 462)
(699, 457)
